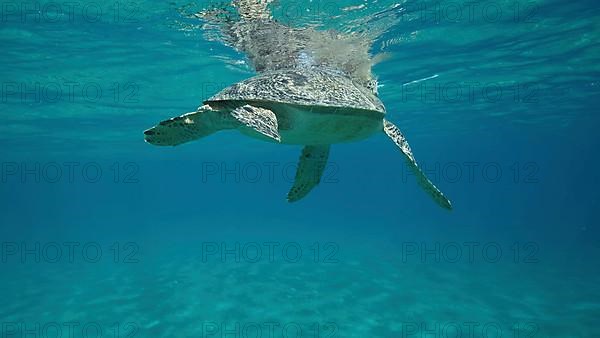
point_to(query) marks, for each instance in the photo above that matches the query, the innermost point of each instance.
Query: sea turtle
(316, 104)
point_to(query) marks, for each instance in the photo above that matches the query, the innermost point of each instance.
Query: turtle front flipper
(310, 169)
(189, 127)
(396, 135)
(262, 120)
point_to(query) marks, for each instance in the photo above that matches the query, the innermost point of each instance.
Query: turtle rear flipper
(310, 169)
(189, 127)
(396, 135)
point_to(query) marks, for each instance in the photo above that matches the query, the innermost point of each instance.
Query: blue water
(105, 235)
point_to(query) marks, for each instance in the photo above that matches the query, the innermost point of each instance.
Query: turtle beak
(150, 137)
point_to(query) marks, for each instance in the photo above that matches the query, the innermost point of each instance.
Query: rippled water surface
(497, 98)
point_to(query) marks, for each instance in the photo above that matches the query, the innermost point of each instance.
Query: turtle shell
(302, 86)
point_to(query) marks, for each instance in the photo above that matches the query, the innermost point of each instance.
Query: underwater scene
(287, 168)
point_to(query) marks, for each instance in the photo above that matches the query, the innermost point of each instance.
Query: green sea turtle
(301, 96)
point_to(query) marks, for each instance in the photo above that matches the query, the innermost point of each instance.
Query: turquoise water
(105, 235)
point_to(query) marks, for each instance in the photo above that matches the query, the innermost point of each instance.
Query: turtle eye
(372, 85)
